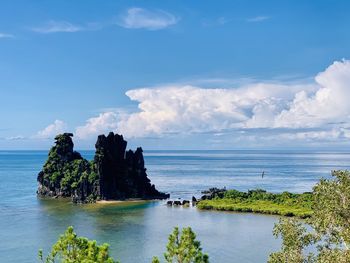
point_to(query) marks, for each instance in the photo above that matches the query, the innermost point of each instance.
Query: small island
(113, 174)
(258, 201)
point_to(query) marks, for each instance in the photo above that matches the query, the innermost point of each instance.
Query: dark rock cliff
(114, 174)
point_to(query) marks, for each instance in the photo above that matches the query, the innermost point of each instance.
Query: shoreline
(131, 200)
(257, 207)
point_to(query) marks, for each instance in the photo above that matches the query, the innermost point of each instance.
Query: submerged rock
(112, 174)
(185, 202)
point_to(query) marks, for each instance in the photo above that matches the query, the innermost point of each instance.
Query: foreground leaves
(330, 223)
(73, 249)
(183, 249)
(294, 239)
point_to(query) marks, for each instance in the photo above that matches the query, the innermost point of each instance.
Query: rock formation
(213, 193)
(113, 174)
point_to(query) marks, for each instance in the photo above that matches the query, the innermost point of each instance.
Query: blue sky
(175, 74)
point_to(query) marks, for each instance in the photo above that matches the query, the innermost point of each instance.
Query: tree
(330, 222)
(183, 249)
(294, 239)
(73, 249)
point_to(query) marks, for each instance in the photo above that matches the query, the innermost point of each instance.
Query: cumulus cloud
(137, 18)
(189, 109)
(52, 130)
(56, 27)
(329, 104)
(307, 111)
(103, 123)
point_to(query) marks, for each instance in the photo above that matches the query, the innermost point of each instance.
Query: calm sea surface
(137, 231)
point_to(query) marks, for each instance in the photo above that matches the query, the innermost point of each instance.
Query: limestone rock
(113, 174)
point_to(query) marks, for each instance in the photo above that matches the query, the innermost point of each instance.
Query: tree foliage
(184, 248)
(330, 223)
(294, 239)
(73, 249)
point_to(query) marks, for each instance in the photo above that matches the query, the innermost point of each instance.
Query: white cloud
(316, 110)
(329, 104)
(103, 123)
(56, 27)
(52, 130)
(188, 109)
(137, 18)
(258, 19)
(4, 35)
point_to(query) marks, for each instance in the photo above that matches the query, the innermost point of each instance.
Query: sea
(136, 231)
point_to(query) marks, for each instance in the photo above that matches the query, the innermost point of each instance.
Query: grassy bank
(260, 201)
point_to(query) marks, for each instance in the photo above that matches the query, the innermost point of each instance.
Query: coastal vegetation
(260, 201)
(329, 223)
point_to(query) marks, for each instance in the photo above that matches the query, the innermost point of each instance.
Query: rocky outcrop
(122, 174)
(113, 174)
(213, 193)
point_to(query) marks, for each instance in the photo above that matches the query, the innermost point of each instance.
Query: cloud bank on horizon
(305, 111)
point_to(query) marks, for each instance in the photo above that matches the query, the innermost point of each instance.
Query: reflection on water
(139, 230)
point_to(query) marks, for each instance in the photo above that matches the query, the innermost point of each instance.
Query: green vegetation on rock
(66, 173)
(260, 201)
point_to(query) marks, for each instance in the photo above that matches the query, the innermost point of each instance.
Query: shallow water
(137, 231)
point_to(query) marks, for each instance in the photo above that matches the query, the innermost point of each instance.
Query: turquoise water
(137, 231)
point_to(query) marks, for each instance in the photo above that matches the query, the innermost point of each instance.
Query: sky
(237, 74)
